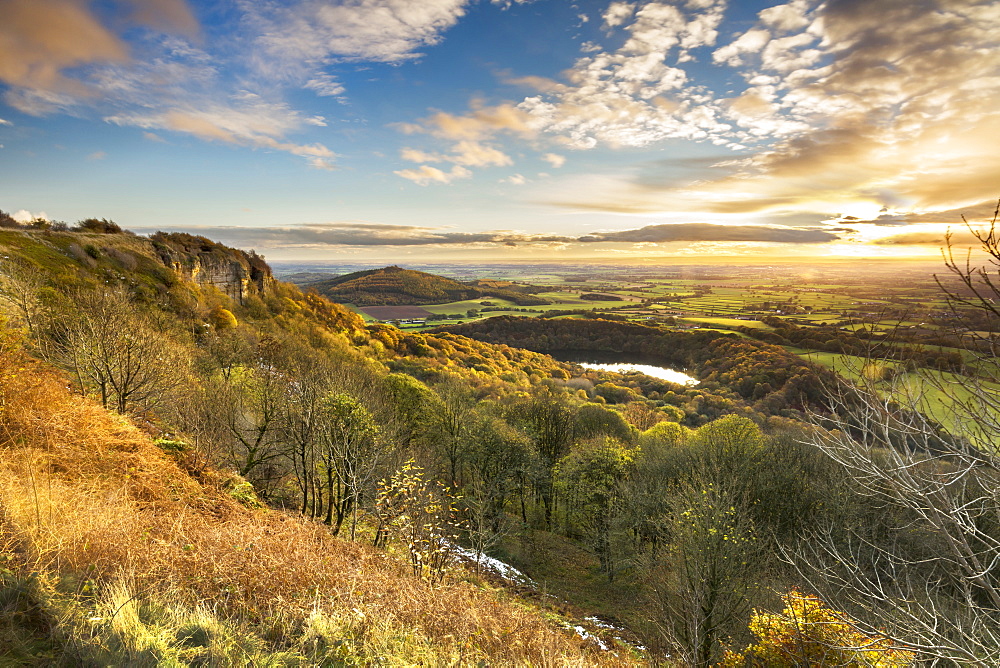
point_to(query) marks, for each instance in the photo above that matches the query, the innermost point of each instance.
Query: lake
(660, 372)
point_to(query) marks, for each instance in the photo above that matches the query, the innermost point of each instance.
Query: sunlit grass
(129, 560)
(726, 322)
(941, 395)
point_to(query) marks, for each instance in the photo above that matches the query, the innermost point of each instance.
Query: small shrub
(423, 515)
(173, 447)
(222, 319)
(242, 492)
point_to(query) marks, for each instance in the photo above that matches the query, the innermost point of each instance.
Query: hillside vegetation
(118, 548)
(114, 552)
(204, 465)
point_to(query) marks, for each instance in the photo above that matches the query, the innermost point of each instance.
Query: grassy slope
(949, 398)
(122, 554)
(112, 552)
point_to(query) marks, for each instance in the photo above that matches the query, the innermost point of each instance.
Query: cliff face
(234, 272)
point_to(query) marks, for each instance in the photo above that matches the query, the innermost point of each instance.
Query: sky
(508, 130)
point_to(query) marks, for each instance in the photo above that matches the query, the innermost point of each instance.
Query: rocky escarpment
(234, 272)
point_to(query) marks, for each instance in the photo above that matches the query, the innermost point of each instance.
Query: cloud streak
(252, 123)
(363, 234)
(712, 232)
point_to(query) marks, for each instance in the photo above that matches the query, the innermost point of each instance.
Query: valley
(830, 314)
(500, 334)
(485, 407)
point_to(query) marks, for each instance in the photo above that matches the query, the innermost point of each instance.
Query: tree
(448, 422)
(590, 479)
(499, 456)
(353, 451)
(660, 461)
(595, 420)
(934, 583)
(7, 221)
(701, 587)
(115, 352)
(807, 633)
(20, 283)
(222, 319)
(302, 427)
(248, 406)
(549, 419)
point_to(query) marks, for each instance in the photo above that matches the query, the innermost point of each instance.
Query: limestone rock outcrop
(234, 272)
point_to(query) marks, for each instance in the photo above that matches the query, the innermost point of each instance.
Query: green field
(943, 396)
(732, 323)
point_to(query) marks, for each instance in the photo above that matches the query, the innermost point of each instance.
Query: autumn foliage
(125, 555)
(807, 633)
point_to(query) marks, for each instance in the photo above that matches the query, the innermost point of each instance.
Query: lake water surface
(663, 373)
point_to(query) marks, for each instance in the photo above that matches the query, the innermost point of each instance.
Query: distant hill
(395, 286)
(391, 286)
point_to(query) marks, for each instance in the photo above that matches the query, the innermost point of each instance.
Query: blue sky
(504, 129)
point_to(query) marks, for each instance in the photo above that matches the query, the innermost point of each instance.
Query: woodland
(205, 466)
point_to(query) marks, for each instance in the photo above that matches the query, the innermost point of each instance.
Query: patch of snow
(582, 632)
(500, 568)
(597, 621)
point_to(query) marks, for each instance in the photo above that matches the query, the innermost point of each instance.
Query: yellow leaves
(807, 633)
(421, 513)
(222, 319)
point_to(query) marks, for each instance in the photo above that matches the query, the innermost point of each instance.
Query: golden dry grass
(107, 521)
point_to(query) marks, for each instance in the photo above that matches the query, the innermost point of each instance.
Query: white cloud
(786, 17)
(515, 180)
(632, 96)
(313, 31)
(5, 122)
(752, 41)
(554, 159)
(97, 155)
(475, 154)
(786, 54)
(416, 155)
(324, 85)
(618, 13)
(507, 4)
(39, 102)
(466, 153)
(25, 216)
(425, 174)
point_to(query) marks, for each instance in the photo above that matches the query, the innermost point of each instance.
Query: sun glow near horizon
(509, 129)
